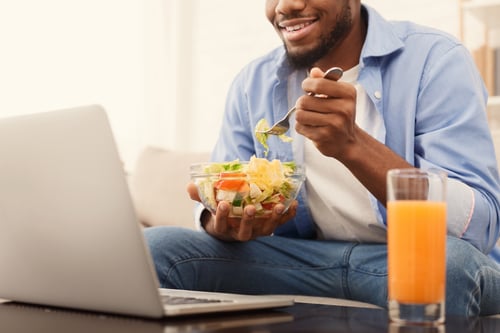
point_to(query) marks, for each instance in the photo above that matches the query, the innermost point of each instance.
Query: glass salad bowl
(257, 182)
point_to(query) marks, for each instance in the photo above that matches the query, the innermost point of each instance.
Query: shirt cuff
(198, 211)
(460, 202)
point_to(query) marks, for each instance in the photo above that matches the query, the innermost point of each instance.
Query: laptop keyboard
(173, 300)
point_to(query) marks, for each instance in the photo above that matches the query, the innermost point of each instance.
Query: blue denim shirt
(425, 85)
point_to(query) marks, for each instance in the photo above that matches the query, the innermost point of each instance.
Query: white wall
(61, 53)
(160, 67)
(227, 34)
(440, 14)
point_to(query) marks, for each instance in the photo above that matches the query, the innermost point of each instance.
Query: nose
(289, 6)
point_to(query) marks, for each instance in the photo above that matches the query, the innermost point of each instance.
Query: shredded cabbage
(262, 126)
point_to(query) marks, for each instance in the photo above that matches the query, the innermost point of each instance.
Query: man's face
(309, 29)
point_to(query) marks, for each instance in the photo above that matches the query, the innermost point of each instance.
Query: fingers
(193, 192)
(221, 218)
(318, 114)
(319, 86)
(328, 119)
(275, 221)
(316, 73)
(245, 230)
(249, 226)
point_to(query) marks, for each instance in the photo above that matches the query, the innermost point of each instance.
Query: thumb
(316, 72)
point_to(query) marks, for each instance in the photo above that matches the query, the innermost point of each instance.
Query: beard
(308, 58)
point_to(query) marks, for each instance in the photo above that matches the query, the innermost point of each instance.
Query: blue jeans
(188, 259)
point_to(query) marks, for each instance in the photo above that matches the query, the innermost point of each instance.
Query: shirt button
(378, 94)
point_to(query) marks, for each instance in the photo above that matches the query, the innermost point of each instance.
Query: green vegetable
(262, 126)
(224, 167)
(238, 200)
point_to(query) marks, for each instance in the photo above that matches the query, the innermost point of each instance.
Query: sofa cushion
(158, 186)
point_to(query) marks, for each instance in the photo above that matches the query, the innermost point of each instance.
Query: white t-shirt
(339, 203)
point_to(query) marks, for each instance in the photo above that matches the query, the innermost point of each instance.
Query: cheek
(270, 9)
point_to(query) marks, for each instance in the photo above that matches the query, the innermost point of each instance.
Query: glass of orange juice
(416, 245)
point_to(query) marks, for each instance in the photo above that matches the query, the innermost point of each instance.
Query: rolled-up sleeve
(436, 118)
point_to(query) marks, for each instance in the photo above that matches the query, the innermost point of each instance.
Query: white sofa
(158, 187)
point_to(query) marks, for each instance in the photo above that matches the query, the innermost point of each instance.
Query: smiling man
(408, 95)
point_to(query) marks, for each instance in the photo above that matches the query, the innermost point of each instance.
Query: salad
(262, 126)
(258, 182)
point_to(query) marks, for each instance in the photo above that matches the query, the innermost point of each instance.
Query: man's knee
(458, 250)
(462, 260)
(166, 245)
(163, 240)
(463, 277)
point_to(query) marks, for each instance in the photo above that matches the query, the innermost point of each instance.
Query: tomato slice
(232, 181)
(268, 205)
(229, 184)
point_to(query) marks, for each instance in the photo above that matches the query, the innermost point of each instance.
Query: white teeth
(296, 27)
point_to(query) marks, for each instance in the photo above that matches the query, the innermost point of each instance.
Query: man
(410, 97)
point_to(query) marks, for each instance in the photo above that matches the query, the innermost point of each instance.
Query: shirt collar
(381, 38)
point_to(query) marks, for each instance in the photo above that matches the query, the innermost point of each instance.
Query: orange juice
(416, 251)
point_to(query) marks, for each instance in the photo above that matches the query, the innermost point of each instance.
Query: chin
(299, 60)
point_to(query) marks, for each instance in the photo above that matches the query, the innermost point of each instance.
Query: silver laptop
(69, 236)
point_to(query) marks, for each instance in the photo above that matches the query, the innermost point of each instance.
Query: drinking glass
(416, 245)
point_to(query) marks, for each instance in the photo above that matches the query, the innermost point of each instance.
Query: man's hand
(328, 120)
(248, 227)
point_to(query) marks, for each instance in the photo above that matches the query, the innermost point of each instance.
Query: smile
(297, 30)
(295, 27)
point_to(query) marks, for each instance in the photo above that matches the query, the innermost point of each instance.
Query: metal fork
(280, 127)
